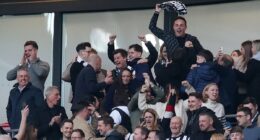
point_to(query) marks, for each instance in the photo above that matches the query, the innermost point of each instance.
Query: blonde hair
(155, 115)
(217, 136)
(205, 90)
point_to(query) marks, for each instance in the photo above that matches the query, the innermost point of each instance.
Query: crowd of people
(187, 98)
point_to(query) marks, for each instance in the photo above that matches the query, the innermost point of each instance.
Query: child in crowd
(203, 72)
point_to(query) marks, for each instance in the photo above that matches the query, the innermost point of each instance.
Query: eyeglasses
(240, 116)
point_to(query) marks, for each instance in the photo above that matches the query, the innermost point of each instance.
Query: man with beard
(175, 126)
(66, 129)
(206, 127)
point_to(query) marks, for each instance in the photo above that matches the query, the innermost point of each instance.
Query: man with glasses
(250, 102)
(244, 117)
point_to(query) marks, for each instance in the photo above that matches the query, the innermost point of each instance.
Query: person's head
(105, 124)
(244, 116)
(121, 129)
(206, 122)
(83, 109)
(256, 46)
(77, 134)
(235, 53)
(155, 135)
(22, 77)
(250, 102)
(236, 133)
(140, 133)
(134, 51)
(246, 47)
(217, 136)
(30, 50)
(83, 50)
(204, 56)
(163, 53)
(95, 61)
(66, 128)
(176, 125)
(52, 94)
(126, 76)
(120, 56)
(180, 26)
(194, 101)
(226, 61)
(150, 119)
(211, 92)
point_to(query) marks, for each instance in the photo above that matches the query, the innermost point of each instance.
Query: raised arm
(153, 23)
(111, 47)
(21, 131)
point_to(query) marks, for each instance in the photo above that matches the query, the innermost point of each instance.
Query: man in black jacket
(22, 94)
(195, 109)
(86, 83)
(50, 115)
(105, 127)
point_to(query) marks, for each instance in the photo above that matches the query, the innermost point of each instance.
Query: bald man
(175, 126)
(86, 83)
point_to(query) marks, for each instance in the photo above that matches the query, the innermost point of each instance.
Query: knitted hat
(207, 55)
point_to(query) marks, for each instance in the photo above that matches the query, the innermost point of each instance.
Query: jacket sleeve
(110, 51)
(9, 109)
(153, 26)
(132, 105)
(41, 68)
(142, 105)
(66, 73)
(11, 75)
(153, 54)
(93, 86)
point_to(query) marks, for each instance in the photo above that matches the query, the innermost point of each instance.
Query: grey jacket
(38, 72)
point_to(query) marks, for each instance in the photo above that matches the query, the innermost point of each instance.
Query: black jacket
(114, 135)
(86, 85)
(193, 121)
(30, 96)
(44, 116)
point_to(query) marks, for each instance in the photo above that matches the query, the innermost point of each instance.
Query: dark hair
(207, 54)
(144, 130)
(123, 52)
(196, 95)
(249, 100)
(237, 51)
(158, 134)
(81, 105)
(246, 110)
(247, 45)
(66, 121)
(31, 42)
(107, 120)
(181, 18)
(82, 134)
(236, 129)
(209, 114)
(136, 47)
(82, 46)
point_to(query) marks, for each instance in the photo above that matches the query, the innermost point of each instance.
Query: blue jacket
(30, 95)
(202, 75)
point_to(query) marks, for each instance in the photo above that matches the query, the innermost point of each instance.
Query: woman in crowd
(120, 89)
(211, 96)
(252, 73)
(150, 119)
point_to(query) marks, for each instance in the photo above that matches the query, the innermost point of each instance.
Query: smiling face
(194, 103)
(54, 96)
(126, 77)
(179, 27)
(22, 78)
(119, 61)
(175, 125)
(205, 123)
(66, 129)
(213, 92)
(30, 52)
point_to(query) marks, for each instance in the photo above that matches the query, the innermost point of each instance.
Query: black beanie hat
(207, 55)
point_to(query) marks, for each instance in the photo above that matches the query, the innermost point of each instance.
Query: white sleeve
(116, 116)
